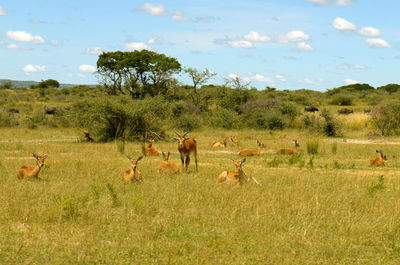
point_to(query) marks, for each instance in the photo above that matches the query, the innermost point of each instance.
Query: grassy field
(324, 208)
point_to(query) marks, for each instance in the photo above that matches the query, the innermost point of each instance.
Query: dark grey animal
(345, 111)
(367, 111)
(310, 109)
(14, 111)
(50, 110)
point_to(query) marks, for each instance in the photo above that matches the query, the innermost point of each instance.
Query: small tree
(48, 83)
(199, 79)
(386, 118)
(237, 82)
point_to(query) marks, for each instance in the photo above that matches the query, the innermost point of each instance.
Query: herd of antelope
(186, 146)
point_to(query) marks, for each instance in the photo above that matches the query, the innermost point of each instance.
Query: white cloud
(132, 46)
(87, 68)
(241, 44)
(302, 46)
(310, 81)
(369, 32)
(16, 47)
(342, 24)
(155, 40)
(351, 67)
(23, 36)
(294, 36)
(256, 37)
(280, 78)
(350, 81)
(3, 12)
(94, 50)
(178, 16)
(55, 42)
(80, 75)
(152, 10)
(33, 69)
(332, 3)
(258, 78)
(378, 43)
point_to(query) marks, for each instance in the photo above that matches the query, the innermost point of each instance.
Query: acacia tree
(199, 79)
(136, 73)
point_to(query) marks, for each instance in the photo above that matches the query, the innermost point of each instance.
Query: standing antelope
(234, 142)
(378, 161)
(151, 151)
(132, 174)
(32, 172)
(185, 147)
(167, 167)
(252, 152)
(220, 144)
(235, 177)
(288, 151)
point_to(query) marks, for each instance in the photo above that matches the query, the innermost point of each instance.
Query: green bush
(223, 118)
(342, 100)
(332, 126)
(386, 118)
(187, 122)
(8, 119)
(264, 120)
(312, 147)
(120, 117)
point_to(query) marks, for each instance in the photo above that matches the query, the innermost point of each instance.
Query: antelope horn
(255, 181)
(185, 133)
(178, 134)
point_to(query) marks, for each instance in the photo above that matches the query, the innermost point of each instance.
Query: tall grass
(82, 213)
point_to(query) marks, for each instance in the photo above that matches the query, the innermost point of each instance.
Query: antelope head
(165, 156)
(181, 139)
(296, 143)
(134, 162)
(238, 164)
(383, 156)
(40, 159)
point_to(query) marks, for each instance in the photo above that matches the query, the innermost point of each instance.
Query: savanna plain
(321, 206)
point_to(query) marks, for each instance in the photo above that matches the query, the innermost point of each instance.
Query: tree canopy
(136, 73)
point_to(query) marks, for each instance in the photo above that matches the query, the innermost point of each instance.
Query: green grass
(82, 213)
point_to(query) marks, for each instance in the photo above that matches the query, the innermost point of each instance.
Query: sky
(286, 44)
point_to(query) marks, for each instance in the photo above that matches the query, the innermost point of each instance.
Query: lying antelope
(220, 144)
(288, 151)
(234, 142)
(378, 161)
(133, 174)
(185, 147)
(231, 177)
(151, 151)
(32, 172)
(167, 167)
(252, 152)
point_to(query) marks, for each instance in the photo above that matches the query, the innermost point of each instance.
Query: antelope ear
(162, 153)
(177, 139)
(35, 156)
(139, 158)
(168, 154)
(233, 161)
(45, 156)
(186, 138)
(244, 160)
(129, 158)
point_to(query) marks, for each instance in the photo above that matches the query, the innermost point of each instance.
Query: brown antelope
(252, 152)
(234, 142)
(151, 151)
(378, 161)
(167, 167)
(288, 151)
(133, 174)
(232, 177)
(219, 144)
(32, 172)
(185, 147)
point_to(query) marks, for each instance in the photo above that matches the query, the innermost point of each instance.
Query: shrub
(7, 119)
(331, 126)
(223, 118)
(386, 118)
(290, 110)
(342, 100)
(120, 117)
(262, 120)
(313, 122)
(312, 147)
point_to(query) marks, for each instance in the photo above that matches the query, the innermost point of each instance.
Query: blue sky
(287, 44)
